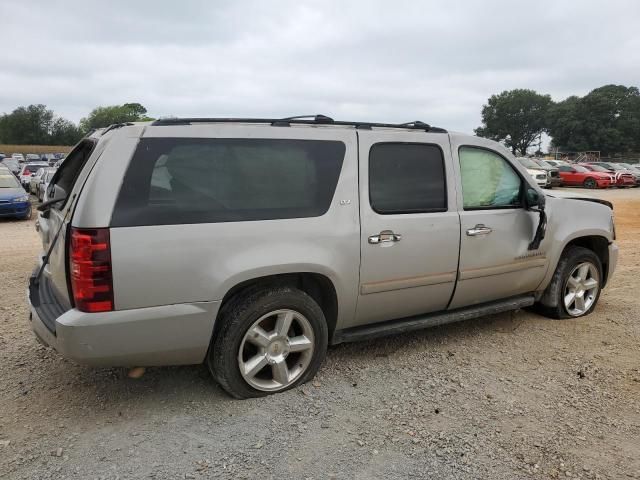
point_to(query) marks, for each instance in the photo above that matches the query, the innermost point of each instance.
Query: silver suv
(253, 244)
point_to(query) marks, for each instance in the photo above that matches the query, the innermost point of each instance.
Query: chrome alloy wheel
(276, 350)
(581, 289)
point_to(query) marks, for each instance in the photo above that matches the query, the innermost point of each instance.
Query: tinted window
(488, 180)
(406, 178)
(182, 180)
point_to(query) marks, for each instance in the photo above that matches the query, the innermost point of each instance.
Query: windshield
(8, 181)
(616, 167)
(578, 168)
(598, 168)
(528, 163)
(542, 163)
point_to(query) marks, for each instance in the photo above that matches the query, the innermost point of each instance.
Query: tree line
(607, 119)
(37, 125)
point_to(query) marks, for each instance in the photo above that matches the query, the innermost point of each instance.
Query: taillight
(90, 269)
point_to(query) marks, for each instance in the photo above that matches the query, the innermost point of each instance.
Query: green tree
(606, 119)
(37, 125)
(27, 125)
(64, 132)
(515, 117)
(104, 116)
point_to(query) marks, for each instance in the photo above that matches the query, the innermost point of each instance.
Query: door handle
(385, 236)
(479, 229)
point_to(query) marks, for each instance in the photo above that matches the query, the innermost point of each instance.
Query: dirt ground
(509, 396)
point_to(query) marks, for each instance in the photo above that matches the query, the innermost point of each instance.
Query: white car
(540, 176)
(18, 156)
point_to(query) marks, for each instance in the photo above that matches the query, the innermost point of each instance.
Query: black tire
(27, 216)
(553, 296)
(238, 316)
(590, 183)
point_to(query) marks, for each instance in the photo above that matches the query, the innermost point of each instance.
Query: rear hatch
(51, 296)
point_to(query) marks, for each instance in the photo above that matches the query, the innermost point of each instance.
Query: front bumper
(163, 335)
(556, 182)
(14, 209)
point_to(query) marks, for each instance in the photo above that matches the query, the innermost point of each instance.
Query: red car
(620, 178)
(580, 176)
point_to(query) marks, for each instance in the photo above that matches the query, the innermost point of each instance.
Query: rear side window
(406, 178)
(187, 180)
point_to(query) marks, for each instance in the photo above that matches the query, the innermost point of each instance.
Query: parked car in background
(633, 167)
(36, 178)
(46, 179)
(622, 177)
(28, 170)
(12, 164)
(552, 171)
(33, 157)
(539, 175)
(14, 201)
(252, 245)
(619, 169)
(579, 176)
(557, 163)
(18, 156)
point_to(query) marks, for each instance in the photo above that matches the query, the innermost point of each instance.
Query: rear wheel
(575, 287)
(269, 341)
(590, 183)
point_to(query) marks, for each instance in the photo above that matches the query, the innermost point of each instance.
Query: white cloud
(384, 61)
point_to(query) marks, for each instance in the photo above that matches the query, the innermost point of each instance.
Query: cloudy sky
(371, 60)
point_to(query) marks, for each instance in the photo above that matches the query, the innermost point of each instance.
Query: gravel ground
(509, 396)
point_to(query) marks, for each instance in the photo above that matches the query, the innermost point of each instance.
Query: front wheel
(590, 183)
(575, 287)
(269, 341)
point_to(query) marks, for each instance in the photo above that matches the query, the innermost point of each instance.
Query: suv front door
(496, 229)
(410, 229)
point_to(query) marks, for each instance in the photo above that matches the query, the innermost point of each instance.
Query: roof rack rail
(302, 120)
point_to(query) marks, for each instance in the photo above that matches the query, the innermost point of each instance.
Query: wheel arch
(598, 245)
(317, 285)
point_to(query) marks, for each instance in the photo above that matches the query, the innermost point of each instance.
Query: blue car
(14, 201)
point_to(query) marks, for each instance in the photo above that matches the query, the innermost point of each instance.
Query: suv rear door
(410, 228)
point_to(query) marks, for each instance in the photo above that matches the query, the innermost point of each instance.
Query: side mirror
(535, 200)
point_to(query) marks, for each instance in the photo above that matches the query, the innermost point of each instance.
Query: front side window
(488, 180)
(406, 178)
(192, 180)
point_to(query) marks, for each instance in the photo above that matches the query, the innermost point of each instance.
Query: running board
(419, 322)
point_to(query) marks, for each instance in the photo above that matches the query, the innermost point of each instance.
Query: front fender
(569, 219)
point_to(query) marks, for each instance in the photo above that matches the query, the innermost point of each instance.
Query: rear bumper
(164, 335)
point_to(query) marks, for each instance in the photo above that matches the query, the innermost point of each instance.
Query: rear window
(186, 180)
(33, 168)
